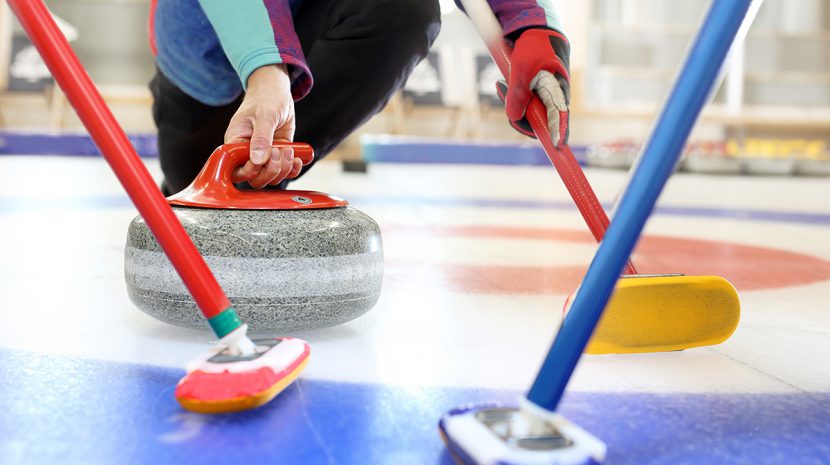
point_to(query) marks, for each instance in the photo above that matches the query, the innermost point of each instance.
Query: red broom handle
(572, 175)
(120, 154)
(562, 158)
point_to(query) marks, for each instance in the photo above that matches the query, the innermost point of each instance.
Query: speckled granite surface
(282, 270)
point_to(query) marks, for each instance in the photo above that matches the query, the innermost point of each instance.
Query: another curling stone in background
(615, 154)
(765, 157)
(813, 167)
(287, 260)
(711, 157)
(810, 165)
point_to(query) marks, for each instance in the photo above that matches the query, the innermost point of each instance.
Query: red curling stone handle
(214, 186)
(228, 157)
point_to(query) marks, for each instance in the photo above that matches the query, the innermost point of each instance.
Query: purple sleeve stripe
(514, 15)
(289, 47)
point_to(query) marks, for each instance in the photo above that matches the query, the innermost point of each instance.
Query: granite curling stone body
(300, 260)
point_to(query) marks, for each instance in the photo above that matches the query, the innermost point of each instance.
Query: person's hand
(266, 115)
(539, 63)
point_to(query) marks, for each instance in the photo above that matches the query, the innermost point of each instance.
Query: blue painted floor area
(73, 411)
(393, 149)
(68, 144)
(10, 206)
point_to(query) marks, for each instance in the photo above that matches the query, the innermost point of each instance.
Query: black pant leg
(360, 53)
(188, 132)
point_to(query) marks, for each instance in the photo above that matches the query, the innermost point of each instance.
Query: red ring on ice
(747, 267)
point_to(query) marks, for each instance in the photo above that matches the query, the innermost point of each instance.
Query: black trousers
(360, 53)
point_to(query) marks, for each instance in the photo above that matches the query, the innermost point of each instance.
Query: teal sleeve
(245, 32)
(551, 15)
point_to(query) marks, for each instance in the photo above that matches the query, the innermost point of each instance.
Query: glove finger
(553, 96)
(550, 91)
(553, 125)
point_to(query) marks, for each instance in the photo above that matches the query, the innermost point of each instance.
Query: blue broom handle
(660, 155)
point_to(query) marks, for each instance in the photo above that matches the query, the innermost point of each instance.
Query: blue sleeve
(256, 33)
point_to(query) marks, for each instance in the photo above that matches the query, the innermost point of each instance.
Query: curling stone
(711, 158)
(287, 260)
(769, 166)
(618, 154)
(813, 166)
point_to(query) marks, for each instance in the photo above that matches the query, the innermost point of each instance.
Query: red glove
(539, 63)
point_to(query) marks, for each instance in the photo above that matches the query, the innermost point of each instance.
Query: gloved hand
(539, 63)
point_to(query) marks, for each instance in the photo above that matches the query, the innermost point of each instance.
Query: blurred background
(770, 115)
